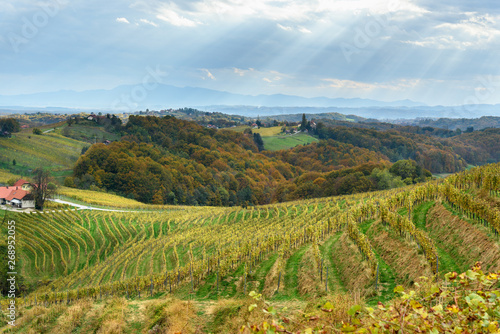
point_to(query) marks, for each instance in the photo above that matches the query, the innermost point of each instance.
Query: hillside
(196, 165)
(461, 123)
(49, 150)
(433, 153)
(192, 165)
(359, 247)
(171, 161)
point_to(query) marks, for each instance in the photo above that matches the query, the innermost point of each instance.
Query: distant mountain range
(133, 98)
(372, 112)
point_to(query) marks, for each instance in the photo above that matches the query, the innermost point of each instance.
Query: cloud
(242, 72)
(148, 22)
(291, 28)
(174, 17)
(426, 50)
(400, 84)
(208, 74)
(304, 30)
(288, 14)
(475, 31)
(122, 20)
(486, 6)
(286, 28)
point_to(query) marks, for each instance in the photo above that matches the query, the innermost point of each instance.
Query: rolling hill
(346, 250)
(50, 150)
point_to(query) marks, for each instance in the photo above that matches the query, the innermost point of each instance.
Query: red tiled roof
(20, 182)
(17, 194)
(5, 192)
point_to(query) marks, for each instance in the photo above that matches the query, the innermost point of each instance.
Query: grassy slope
(275, 143)
(87, 133)
(264, 132)
(6, 176)
(102, 199)
(446, 261)
(51, 151)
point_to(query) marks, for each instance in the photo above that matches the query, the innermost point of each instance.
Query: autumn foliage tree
(42, 188)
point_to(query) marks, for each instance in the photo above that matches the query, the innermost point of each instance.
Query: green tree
(14, 162)
(303, 124)
(405, 169)
(10, 125)
(258, 141)
(69, 182)
(37, 131)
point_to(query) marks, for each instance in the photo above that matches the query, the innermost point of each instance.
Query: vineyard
(32, 151)
(360, 245)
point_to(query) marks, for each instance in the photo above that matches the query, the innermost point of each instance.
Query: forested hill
(439, 155)
(173, 161)
(167, 160)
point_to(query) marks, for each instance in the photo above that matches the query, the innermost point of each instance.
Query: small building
(95, 118)
(20, 199)
(25, 185)
(18, 196)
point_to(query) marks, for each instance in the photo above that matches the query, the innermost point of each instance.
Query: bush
(37, 131)
(69, 182)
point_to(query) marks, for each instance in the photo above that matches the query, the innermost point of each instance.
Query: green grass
(51, 151)
(275, 143)
(264, 132)
(290, 278)
(261, 271)
(447, 263)
(87, 133)
(419, 214)
(386, 282)
(334, 281)
(387, 277)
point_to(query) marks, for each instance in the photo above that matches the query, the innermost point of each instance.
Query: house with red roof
(4, 193)
(18, 196)
(25, 185)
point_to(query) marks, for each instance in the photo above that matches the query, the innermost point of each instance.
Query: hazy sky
(436, 52)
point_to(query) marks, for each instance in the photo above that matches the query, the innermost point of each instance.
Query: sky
(438, 52)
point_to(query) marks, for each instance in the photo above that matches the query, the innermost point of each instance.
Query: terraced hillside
(31, 151)
(360, 246)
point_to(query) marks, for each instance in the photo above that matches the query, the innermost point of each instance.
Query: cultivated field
(31, 151)
(275, 143)
(359, 246)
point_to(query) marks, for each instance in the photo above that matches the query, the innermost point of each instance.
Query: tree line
(171, 161)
